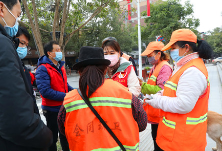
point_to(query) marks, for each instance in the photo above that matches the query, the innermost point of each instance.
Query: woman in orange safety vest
(159, 74)
(118, 107)
(185, 96)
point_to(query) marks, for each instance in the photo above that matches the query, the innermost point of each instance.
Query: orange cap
(181, 35)
(155, 45)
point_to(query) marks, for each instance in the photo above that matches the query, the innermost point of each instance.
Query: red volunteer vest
(57, 82)
(122, 77)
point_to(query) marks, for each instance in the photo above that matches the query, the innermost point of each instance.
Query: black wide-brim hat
(91, 56)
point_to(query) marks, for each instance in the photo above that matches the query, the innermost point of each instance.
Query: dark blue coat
(44, 86)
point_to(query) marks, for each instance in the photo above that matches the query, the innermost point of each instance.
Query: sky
(209, 12)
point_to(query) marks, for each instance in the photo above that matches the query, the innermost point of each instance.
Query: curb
(73, 75)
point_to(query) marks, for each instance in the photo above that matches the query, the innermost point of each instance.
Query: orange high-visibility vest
(84, 131)
(184, 132)
(153, 114)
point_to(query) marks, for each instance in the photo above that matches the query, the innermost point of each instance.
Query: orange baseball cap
(155, 45)
(181, 35)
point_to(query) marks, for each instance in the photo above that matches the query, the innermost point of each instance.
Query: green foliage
(214, 38)
(167, 16)
(147, 68)
(79, 12)
(100, 28)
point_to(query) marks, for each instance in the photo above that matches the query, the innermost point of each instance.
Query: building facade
(33, 56)
(133, 5)
(143, 7)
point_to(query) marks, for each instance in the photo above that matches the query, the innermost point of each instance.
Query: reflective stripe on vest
(98, 101)
(169, 123)
(128, 148)
(153, 78)
(208, 81)
(194, 121)
(171, 85)
(154, 114)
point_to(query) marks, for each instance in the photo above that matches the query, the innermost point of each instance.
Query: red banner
(148, 7)
(129, 10)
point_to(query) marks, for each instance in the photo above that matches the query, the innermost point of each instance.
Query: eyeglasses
(25, 45)
(28, 48)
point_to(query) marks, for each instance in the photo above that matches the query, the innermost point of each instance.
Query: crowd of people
(104, 113)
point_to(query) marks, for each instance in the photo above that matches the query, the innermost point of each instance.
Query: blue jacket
(44, 86)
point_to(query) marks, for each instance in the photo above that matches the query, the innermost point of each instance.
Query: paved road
(215, 100)
(215, 104)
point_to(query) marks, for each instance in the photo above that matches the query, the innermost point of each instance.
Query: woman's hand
(140, 81)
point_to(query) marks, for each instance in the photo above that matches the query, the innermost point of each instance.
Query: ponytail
(204, 49)
(164, 56)
(91, 78)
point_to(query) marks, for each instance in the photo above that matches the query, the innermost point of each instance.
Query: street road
(215, 100)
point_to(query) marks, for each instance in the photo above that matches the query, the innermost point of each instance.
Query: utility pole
(139, 38)
(139, 30)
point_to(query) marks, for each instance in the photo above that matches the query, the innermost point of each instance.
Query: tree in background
(214, 38)
(167, 16)
(65, 16)
(111, 26)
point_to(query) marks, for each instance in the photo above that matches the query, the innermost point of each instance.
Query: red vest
(32, 77)
(184, 132)
(84, 131)
(122, 76)
(153, 114)
(58, 82)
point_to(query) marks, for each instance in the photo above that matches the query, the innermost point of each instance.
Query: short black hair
(49, 47)
(10, 3)
(23, 31)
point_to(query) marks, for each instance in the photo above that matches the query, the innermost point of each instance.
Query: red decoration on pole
(129, 10)
(148, 7)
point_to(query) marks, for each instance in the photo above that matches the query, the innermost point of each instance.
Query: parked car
(217, 60)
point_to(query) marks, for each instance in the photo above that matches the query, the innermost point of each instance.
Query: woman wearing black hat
(99, 103)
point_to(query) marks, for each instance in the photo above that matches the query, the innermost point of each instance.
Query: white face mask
(113, 58)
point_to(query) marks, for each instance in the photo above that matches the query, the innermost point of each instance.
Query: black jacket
(20, 128)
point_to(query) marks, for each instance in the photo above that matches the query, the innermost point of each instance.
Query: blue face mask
(22, 52)
(58, 56)
(152, 60)
(175, 55)
(12, 31)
